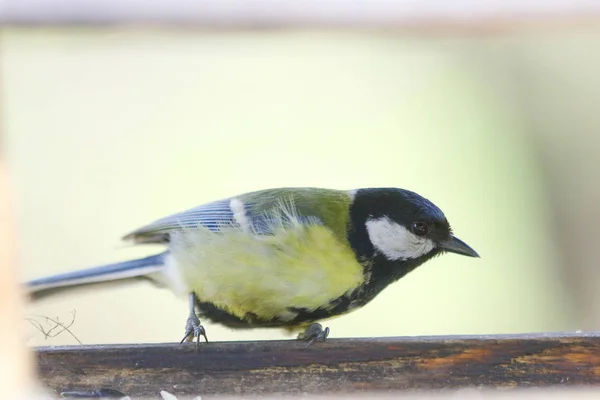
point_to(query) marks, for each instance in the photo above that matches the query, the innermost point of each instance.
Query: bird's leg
(193, 329)
(314, 333)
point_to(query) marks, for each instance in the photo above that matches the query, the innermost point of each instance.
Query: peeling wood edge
(337, 341)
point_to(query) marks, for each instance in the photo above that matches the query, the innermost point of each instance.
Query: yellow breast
(299, 266)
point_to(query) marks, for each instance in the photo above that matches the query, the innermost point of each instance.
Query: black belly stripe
(250, 320)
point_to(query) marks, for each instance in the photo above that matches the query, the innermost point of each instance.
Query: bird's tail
(111, 273)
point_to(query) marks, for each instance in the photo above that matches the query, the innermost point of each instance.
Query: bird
(286, 258)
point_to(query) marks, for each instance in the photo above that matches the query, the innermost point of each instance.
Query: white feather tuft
(239, 214)
(173, 275)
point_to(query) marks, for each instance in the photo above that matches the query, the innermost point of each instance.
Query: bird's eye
(420, 228)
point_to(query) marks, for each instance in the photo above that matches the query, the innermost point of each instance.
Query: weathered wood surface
(335, 366)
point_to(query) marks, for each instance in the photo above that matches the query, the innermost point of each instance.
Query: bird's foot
(314, 333)
(193, 329)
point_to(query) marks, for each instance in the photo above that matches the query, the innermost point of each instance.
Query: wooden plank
(335, 366)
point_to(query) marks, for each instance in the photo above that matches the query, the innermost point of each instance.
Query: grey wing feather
(211, 215)
(219, 213)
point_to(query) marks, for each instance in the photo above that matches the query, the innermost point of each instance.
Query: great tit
(287, 257)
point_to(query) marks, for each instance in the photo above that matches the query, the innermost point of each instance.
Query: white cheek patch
(395, 241)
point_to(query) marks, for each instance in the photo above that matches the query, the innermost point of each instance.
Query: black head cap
(415, 213)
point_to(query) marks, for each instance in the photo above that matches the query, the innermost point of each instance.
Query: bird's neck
(381, 272)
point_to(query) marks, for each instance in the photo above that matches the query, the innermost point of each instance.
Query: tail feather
(127, 270)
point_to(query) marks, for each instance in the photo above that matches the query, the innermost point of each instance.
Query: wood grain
(336, 366)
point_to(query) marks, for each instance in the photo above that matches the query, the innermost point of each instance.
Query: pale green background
(107, 130)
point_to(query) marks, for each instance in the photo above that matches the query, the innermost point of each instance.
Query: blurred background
(107, 128)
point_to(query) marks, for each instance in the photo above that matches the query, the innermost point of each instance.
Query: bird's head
(401, 225)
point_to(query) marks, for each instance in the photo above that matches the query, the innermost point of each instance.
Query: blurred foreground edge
(240, 14)
(337, 366)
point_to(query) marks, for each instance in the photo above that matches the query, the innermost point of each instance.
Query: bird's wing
(211, 215)
(257, 212)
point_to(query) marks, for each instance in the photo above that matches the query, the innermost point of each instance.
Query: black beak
(455, 245)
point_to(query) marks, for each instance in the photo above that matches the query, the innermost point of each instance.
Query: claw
(200, 331)
(193, 328)
(195, 331)
(314, 333)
